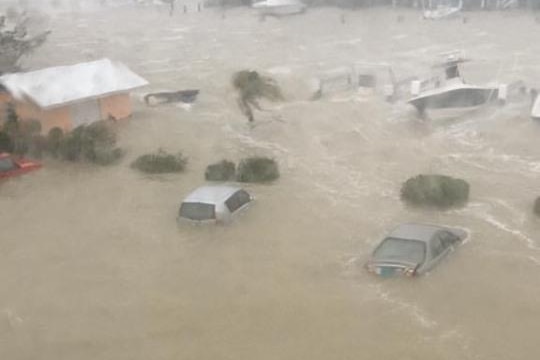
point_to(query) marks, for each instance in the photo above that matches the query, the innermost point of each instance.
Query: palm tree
(251, 87)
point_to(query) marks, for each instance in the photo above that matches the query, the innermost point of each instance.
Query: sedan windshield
(402, 250)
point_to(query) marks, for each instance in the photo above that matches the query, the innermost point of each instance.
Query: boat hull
(438, 14)
(462, 98)
(535, 112)
(279, 10)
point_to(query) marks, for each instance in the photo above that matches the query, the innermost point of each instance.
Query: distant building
(69, 96)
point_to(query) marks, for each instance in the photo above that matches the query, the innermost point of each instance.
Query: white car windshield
(198, 211)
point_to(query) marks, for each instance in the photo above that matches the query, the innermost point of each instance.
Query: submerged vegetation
(160, 162)
(257, 169)
(536, 208)
(252, 87)
(95, 143)
(435, 190)
(224, 170)
(251, 169)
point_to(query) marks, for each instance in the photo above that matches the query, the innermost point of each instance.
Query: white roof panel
(59, 85)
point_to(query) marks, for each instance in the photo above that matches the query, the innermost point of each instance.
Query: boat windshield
(402, 250)
(452, 71)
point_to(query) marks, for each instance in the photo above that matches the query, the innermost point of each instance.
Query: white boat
(443, 11)
(279, 7)
(452, 92)
(535, 112)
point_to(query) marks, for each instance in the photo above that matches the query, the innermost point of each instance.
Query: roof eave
(71, 102)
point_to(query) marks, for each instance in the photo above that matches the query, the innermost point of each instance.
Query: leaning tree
(15, 42)
(251, 87)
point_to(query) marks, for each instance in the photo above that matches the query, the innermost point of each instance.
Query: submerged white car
(414, 249)
(214, 204)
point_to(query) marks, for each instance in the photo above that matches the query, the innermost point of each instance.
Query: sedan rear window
(6, 164)
(410, 251)
(198, 211)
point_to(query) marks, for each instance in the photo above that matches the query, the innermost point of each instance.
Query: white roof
(64, 84)
(212, 194)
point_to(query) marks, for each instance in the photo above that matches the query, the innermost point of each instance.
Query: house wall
(116, 106)
(57, 117)
(5, 99)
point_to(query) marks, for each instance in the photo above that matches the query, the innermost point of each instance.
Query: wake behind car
(214, 204)
(11, 165)
(413, 249)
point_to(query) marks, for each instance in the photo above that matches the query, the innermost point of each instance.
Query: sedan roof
(421, 232)
(211, 194)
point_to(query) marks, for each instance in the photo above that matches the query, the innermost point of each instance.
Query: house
(69, 96)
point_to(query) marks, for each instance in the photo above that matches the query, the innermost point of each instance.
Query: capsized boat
(279, 7)
(452, 92)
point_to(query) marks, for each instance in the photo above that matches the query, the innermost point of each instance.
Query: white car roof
(211, 194)
(413, 231)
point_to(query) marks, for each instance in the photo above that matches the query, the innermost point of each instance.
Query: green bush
(54, 141)
(224, 170)
(70, 146)
(95, 143)
(435, 190)
(38, 146)
(536, 208)
(160, 162)
(6, 144)
(257, 169)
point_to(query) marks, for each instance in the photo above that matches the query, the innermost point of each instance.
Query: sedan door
(438, 250)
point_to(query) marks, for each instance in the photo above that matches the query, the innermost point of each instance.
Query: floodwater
(94, 266)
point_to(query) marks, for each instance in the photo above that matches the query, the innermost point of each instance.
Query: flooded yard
(94, 266)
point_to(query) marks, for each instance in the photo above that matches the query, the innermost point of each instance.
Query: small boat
(452, 92)
(184, 96)
(443, 11)
(535, 112)
(279, 7)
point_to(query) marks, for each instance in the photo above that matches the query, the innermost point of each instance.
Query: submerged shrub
(224, 170)
(160, 162)
(17, 135)
(435, 190)
(54, 140)
(257, 169)
(38, 146)
(95, 143)
(536, 208)
(6, 144)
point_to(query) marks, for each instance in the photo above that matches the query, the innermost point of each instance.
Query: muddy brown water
(93, 265)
